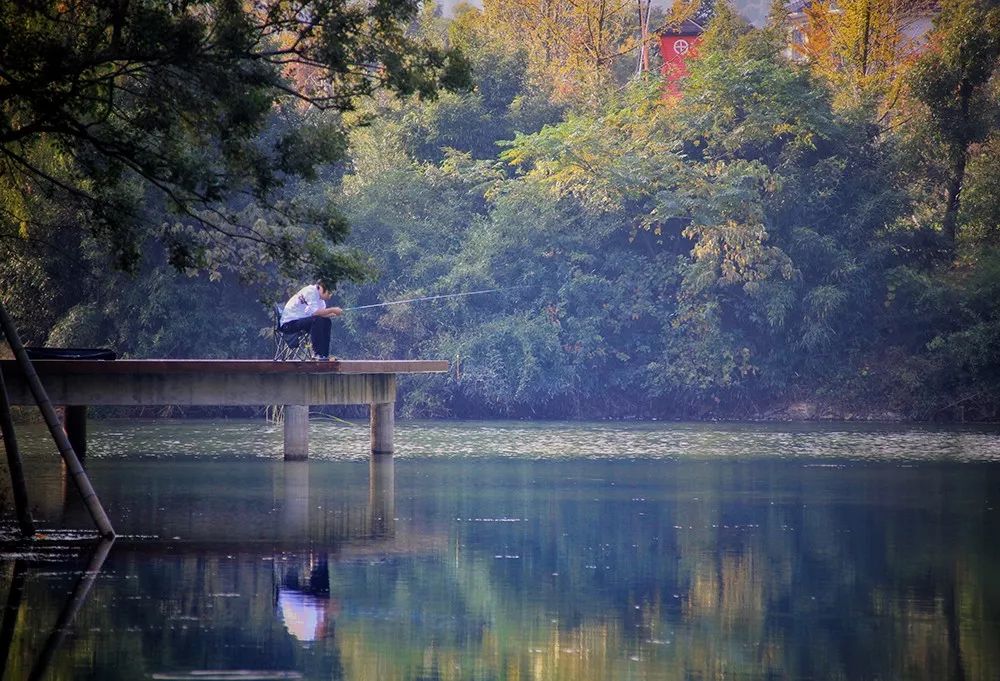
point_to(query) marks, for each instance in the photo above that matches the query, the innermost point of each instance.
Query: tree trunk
(955, 197)
(955, 183)
(865, 38)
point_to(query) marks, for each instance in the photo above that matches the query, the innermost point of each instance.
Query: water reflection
(302, 596)
(382, 495)
(67, 614)
(809, 568)
(295, 503)
(303, 600)
(15, 594)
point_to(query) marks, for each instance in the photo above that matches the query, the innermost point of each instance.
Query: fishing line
(421, 299)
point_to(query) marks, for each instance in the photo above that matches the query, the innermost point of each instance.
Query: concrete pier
(154, 382)
(383, 422)
(296, 425)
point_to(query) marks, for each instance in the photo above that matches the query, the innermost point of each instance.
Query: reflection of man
(305, 606)
(305, 616)
(307, 311)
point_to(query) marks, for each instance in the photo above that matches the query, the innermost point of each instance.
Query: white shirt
(303, 304)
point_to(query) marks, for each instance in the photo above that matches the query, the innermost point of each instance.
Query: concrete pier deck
(77, 384)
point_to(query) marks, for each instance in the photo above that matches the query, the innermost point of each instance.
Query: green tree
(116, 114)
(863, 49)
(575, 48)
(771, 201)
(955, 81)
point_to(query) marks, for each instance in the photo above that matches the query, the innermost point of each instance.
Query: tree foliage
(864, 47)
(765, 237)
(180, 123)
(955, 83)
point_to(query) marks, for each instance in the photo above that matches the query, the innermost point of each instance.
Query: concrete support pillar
(383, 422)
(75, 425)
(296, 432)
(381, 495)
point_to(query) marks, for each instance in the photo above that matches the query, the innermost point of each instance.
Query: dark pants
(319, 332)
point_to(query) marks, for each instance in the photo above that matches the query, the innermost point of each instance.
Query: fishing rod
(423, 298)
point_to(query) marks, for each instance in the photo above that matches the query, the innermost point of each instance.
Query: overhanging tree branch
(180, 99)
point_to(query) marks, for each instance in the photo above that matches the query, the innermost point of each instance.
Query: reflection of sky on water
(330, 440)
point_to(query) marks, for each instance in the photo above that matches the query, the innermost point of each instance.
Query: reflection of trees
(152, 611)
(15, 594)
(684, 571)
(978, 625)
(34, 663)
(790, 576)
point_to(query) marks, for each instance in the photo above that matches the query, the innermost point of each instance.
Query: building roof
(686, 27)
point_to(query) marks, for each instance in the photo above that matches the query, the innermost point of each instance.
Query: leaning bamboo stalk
(76, 471)
(17, 482)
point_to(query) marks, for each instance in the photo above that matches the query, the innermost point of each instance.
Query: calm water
(514, 551)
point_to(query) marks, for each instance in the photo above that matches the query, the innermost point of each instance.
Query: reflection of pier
(376, 522)
(228, 588)
(381, 495)
(307, 505)
(301, 568)
(154, 382)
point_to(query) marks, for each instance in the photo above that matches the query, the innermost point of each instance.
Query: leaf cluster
(119, 113)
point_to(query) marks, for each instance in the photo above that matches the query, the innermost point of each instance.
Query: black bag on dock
(71, 353)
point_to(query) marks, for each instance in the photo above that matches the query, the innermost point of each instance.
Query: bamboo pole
(17, 483)
(79, 476)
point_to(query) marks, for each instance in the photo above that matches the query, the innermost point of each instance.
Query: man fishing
(307, 311)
